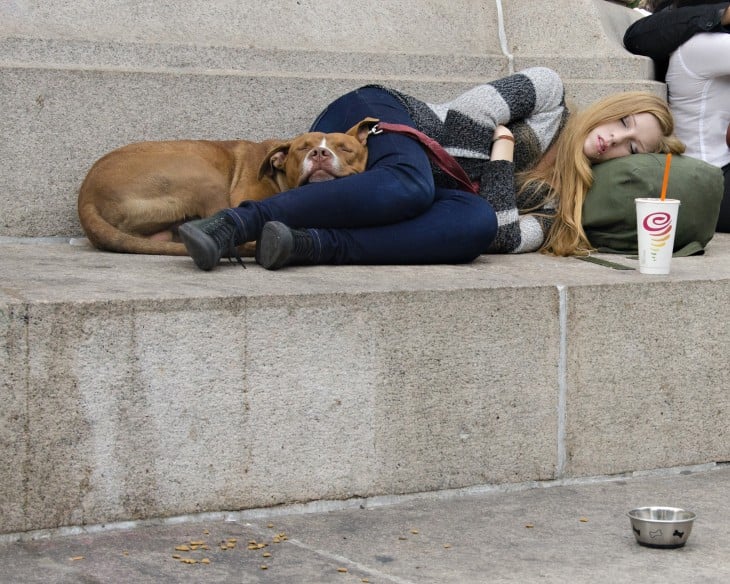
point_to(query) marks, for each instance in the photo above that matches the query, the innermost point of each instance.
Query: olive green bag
(609, 212)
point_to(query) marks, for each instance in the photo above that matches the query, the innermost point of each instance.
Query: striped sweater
(531, 104)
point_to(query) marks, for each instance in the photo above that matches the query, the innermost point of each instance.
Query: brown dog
(134, 198)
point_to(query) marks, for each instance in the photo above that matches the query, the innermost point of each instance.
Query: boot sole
(274, 248)
(200, 246)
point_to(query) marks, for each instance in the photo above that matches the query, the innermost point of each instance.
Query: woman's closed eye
(632, 147)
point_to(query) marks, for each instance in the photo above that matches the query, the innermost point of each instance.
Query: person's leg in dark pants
(397, 185)
(723, 220)
(457, 228)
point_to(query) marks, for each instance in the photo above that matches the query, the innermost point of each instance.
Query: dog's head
(317, 157)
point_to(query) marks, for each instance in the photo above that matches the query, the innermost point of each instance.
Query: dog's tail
(106, 236)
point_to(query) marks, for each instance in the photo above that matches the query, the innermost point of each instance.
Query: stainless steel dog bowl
(661, 527)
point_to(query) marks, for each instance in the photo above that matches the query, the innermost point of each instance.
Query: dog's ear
(362, 129)
(274, 161)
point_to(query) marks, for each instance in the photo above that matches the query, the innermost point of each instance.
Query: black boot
(281, 246)
(209, 239)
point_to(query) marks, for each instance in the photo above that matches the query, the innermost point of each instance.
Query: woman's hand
(503, 144)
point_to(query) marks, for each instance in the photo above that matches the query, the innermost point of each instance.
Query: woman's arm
(533, 97)
(535, 128)
(515, 233)
(660, 34)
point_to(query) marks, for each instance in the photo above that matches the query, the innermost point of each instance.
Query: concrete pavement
(538, 532)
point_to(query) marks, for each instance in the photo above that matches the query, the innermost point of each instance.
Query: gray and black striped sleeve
(516, 233)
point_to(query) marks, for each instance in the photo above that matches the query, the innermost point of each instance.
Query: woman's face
(632, 134)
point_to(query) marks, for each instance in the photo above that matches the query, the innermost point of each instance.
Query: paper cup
(656, 224)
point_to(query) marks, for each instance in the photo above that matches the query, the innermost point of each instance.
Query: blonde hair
(569, 176)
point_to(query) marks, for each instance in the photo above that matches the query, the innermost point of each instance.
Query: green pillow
(609, 214)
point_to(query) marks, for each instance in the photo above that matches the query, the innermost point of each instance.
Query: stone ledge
(137, 386)
(80, 79)
(36, 267)
(59, 121)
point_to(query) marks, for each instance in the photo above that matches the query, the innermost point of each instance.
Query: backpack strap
(436, 153)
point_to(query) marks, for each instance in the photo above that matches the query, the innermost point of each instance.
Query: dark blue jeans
(390, 214)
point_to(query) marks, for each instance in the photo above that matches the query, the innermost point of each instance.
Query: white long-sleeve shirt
(698, 84)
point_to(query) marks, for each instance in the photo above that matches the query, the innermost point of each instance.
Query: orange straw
(666, 176)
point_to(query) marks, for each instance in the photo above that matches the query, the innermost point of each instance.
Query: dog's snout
(319, 152)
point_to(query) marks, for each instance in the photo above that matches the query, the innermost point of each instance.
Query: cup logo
(659, 227)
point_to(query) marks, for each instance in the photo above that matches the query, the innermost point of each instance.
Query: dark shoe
(208, 240)
(281, 246)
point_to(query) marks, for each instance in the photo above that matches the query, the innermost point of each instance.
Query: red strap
(435, 152)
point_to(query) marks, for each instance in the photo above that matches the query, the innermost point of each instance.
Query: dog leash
(435, 152)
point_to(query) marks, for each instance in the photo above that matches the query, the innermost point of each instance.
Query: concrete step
(80, 79)
(137, 387)
(54, 137)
